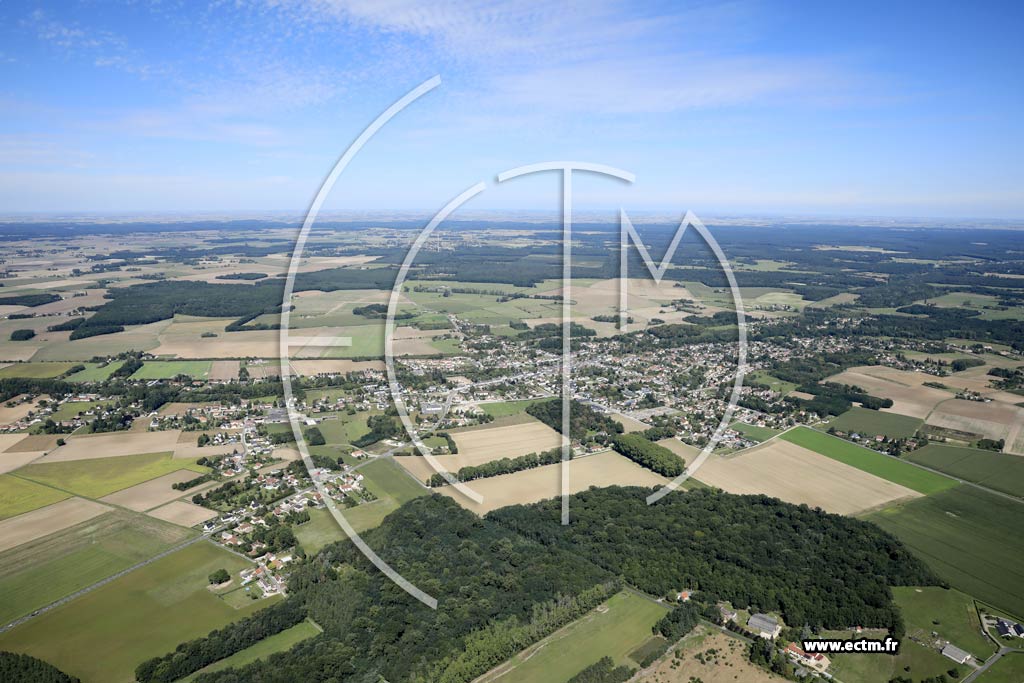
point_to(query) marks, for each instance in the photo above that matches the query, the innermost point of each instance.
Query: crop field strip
(884, 466)
(997, 471)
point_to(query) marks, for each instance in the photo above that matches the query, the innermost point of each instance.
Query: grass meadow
(874, 422)
(99, 477)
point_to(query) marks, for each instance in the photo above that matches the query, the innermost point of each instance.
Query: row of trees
(647, 454)
(495, 468)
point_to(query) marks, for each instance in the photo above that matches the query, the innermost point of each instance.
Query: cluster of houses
(268, 573)
(1009, 629)
(812, 660)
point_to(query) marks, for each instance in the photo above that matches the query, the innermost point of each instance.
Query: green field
(94, 372)
(948, 612)
(35, 370)
(386, 480)
(39, 572)
(1009, 669)
(18, 496)
(614, 633)
(279, 642)
(506, 408)
(968, 537)
(995, 470)
(869, 461)
(168, 369)
(103, 635)
(71, 409)
(754, 432)
(914, 661)
(99, 477)
(874, 422)
(773, 383)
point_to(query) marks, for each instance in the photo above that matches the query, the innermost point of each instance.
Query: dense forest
(582, 418)
(513, 577)
(19, 668)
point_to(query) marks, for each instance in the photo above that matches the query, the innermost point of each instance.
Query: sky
(724, 108)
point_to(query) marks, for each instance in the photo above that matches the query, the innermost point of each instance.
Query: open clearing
(102, 476)
(44, 521)
(183, 513)
(872, 462)
(150, 494)
(909, 396)
(729, 664)
(797, 475)
(46, 569)
(145, 613)
(992, 420)
(970, 538)
(914, 661)
(997, 471)
(874, 422)
(539, 483)
(279, 642)
(18, 496)
(612, 630)
(88, 447)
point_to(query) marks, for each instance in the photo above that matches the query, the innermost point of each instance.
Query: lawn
(995, 470)
(168, 369)
(1009, 669)
(874, 422)
(613, 633)
(18, 496)
(865, 459)
(773, 383)
(346, 428)
(506, 408)
(754, 432)
(99, 477)
(968, 537)
(94, 372)
(948, 612)
(103, 635)
(44, 570)
(320, 530)
(279, 642)
(35, 370)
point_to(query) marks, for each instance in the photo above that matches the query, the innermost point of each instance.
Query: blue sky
(859, 109)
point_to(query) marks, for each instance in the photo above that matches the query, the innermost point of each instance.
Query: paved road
(1003, 650)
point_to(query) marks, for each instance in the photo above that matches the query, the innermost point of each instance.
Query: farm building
(764, 625)
(956, 654)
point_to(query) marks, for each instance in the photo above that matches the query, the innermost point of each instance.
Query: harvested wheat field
(12, 461)
(17, 412)
(182, 513)
(335, 366)
(47, 520)
(224, 370)
(113, 444)
(905, 389)
(992, 420)
(797, 475)
(150, 494)
(530, 486)
(629, 424)
(484, 445)
(35, 443)
(685, 451)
